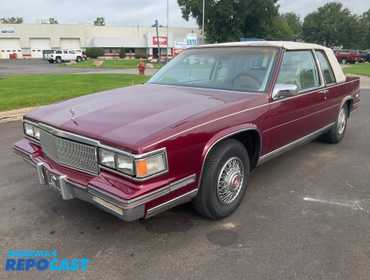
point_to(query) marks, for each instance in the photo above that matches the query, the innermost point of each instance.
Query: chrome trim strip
(136, 157)
(67, 193)
(292, 145)
(40, 173)
(219, 140)
(95, 143)
(302, 117)
(242, 111)
(68, 135)
(186, 197)
(144, 198)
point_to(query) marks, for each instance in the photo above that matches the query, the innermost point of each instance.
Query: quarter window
(299, 68)
(326, 70)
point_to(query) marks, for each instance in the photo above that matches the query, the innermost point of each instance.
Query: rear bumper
(144, 206)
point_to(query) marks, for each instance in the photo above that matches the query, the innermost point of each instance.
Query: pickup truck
(59, 56)
(194, 132)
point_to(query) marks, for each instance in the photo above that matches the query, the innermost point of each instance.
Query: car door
(292, 118)
(333, 92)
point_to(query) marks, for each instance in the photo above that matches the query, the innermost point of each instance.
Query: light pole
(168, 39)
(203, 19)
(158, 43)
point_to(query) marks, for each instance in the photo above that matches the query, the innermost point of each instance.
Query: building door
(9, 46)
(38, 45)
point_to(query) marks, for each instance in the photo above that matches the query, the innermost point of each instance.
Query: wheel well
(252, 143)
(349, 104)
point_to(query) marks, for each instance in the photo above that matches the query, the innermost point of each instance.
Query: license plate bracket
(52, 180)
(55, 182)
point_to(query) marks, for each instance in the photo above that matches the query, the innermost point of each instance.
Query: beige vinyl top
(337, 69)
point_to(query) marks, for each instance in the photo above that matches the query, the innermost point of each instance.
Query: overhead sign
(162, 41)
(7, 30)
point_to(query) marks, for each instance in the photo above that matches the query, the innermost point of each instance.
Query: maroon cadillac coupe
(194, 132)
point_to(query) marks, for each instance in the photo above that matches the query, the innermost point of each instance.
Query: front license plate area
(52, 180)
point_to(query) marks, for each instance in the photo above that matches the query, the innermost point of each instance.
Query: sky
(136, 12)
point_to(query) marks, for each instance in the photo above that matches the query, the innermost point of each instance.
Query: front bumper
(143, 206)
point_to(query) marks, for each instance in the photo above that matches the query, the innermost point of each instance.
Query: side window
(299, 68)
(326, 69)
(65, 52)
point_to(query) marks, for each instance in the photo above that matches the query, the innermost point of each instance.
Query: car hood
(128, 117)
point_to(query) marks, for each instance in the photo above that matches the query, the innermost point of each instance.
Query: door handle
(324, 91)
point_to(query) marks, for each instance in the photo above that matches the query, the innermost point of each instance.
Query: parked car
(365, 56)
(81, 53)
(59, 56)
(194, 132)
(346, 56)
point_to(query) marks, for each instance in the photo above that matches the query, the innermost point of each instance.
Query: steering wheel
(250, 77)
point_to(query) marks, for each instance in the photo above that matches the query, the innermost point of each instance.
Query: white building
(30, 40)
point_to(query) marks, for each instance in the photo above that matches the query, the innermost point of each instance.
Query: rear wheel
(336, 132)
(58, 60)
(224, 180)
(78, 59)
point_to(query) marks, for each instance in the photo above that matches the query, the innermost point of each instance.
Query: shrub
(94, 52)
(122, 53)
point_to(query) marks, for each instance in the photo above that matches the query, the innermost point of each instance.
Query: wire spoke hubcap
(341, 121)
(230, 180)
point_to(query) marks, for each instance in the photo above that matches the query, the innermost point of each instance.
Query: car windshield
(229, 68)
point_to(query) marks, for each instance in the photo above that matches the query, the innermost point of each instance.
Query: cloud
(135, 12)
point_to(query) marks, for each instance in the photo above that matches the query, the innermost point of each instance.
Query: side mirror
(284, 91)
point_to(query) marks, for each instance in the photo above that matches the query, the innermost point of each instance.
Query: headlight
(125, 164)
(107, 158)
(31, 130)
(136, 166)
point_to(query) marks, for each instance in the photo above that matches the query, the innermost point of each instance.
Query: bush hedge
(94, 52)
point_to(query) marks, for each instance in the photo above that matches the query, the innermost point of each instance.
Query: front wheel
(224, 180)
(336, 132)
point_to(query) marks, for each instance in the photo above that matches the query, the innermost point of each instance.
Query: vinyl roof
(280, 44)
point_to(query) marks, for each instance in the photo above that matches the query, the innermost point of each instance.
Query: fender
(223, 134)
(344, 100)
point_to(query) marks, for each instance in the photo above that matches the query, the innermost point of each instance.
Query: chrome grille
(70, 153)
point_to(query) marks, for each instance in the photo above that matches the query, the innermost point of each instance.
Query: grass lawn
(20, 91)
(358, 69)
(114, 63)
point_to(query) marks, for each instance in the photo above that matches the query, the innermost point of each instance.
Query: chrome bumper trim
(186, 197)
(132, 209)
(146, 197)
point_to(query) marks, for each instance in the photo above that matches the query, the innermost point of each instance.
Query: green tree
(333, 25)
(294, 24)
(100, 21)
(11, 20)
(229, 20)
(365, 24)
(280, 30)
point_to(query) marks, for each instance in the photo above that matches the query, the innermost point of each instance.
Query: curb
(15, 115)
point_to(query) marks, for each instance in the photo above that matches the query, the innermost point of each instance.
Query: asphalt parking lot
(306, 215)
